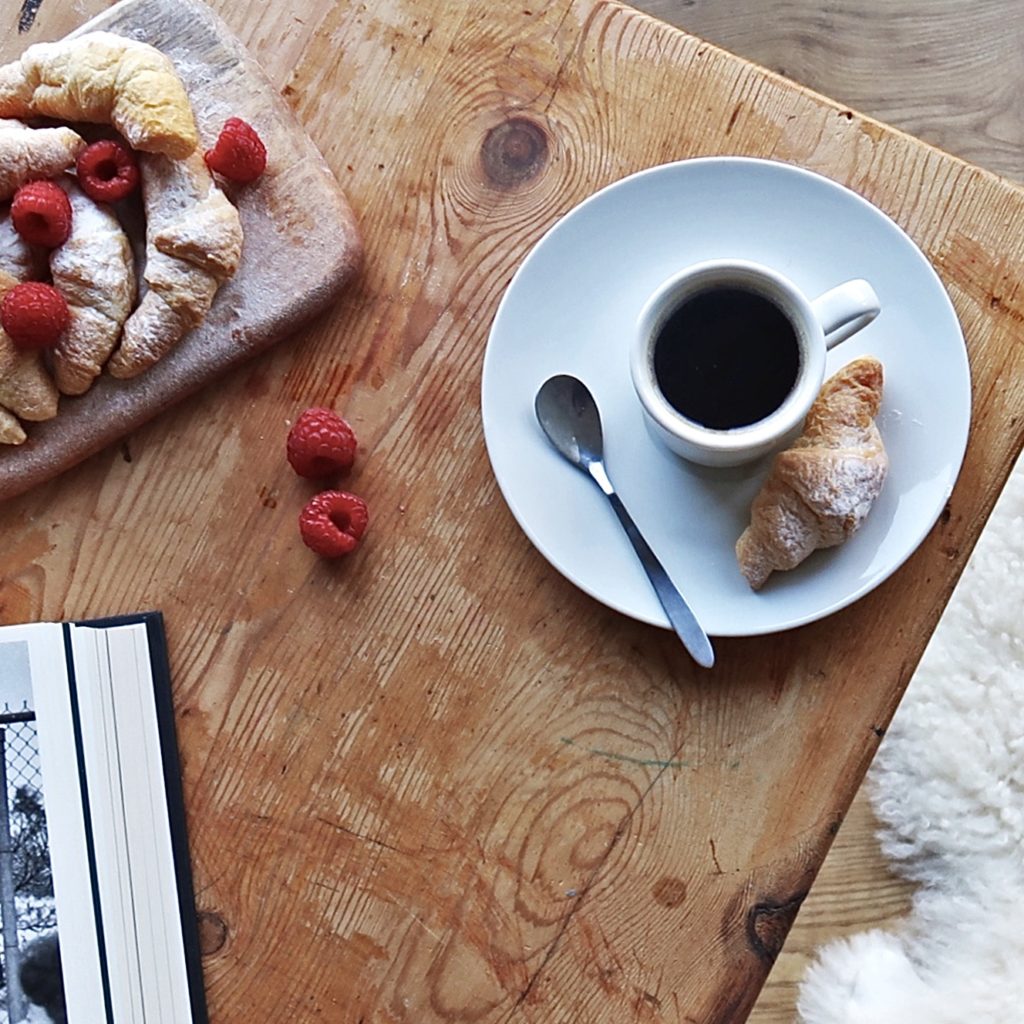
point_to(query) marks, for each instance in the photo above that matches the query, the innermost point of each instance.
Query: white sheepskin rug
(948, 787)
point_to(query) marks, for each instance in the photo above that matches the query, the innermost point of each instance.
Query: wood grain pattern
(959, 90)
(436, 783)
(293, 265)
(854, 892)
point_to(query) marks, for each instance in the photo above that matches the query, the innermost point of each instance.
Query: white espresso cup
(730, 340)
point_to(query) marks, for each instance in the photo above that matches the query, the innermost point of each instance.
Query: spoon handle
(687, 628)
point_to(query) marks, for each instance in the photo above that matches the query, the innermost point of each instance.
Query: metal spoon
(569, 416)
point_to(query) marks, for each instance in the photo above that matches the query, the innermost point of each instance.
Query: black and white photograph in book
(31, 985)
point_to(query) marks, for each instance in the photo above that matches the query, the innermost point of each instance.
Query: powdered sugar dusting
(293, 263)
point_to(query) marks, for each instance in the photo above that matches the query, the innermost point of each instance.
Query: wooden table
(957, 93)
(436, 783)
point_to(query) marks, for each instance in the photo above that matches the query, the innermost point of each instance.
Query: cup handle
(844, 310)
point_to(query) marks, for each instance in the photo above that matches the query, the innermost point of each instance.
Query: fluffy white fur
(948, 787)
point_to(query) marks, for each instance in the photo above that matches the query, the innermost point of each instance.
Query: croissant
(30, 153)
(820, 490)
(95, 272)
(193, 244)
(104, 78)
(11, 431)
(26, 389)
(17, 260)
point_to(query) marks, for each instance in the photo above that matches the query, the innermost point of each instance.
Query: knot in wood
(213, 932)
(513, 152)
(768, 925)
(669, 891)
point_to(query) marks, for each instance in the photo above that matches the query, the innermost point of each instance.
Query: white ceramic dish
(572, 308)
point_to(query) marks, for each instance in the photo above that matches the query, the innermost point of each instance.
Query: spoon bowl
(569, 417)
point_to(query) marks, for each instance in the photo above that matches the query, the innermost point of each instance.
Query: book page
(106, 800)
(52, 900)
(138, 885)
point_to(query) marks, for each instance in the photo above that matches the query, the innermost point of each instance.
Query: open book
(93, 853)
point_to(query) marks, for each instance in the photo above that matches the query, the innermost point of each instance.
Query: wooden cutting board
(436, 784)
(301, 243)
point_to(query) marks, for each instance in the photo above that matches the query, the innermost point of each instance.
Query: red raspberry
(321, 444)
(41, 214)
(34, 315)
(333, 522)
(107, 171)
(239, 153)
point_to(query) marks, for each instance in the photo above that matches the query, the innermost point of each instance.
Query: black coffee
(726, 358)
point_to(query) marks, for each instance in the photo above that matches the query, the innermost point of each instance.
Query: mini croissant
(11, 431)
(27, 154)
(26, 389)
(17, 260)
(103, 78)
(820, 490)
(94, 271)
(193, 245)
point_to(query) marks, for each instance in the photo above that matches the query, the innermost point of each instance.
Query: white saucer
(571, 308)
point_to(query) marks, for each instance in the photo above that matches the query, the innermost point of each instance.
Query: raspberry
(34, 315)
(41, 214)
(107, 171)
(239, 153)
(332, 523)
(320, 444)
